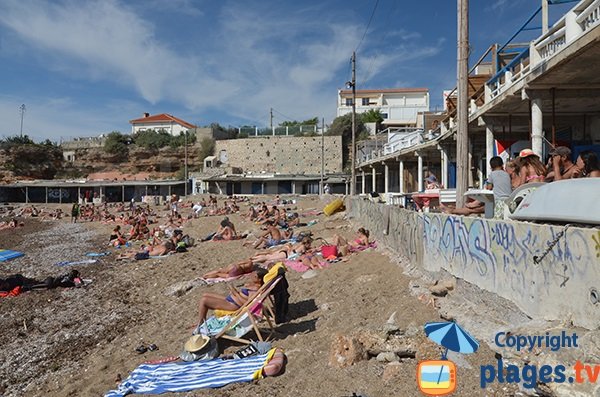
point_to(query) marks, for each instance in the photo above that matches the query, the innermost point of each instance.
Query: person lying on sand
(235, 299)
(233, 270)
(162, 249)
(286, 251)
(270, 238)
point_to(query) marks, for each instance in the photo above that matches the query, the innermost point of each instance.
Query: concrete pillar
(293, 185)
(46, 194)
(537, 132)
(374, 180)
(363, 187)
(123, 193)
(386, 178)
(489, 148)
(60, 195)
(346, 188)
(444, 166)
(401, 177)
(420, 172)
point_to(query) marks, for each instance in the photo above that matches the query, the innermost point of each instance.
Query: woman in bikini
(344, 246)
(234, 300)
(532, 169)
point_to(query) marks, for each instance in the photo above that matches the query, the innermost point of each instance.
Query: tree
(151, 139)
(372, 116)
(207, 148)
(178, 141)
(343, 126)
(313, 121)
(117, 145)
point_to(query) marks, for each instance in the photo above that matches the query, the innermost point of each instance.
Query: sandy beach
(79, 341)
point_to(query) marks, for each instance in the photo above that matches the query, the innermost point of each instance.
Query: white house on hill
(399, 106)
(164, 121)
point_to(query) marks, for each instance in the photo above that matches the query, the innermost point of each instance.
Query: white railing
(590, 16)
(555, 40)
(576, 22)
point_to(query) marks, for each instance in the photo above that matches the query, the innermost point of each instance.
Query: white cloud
(265, 57)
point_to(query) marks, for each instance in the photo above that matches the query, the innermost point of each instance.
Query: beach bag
(189, 241)
(181, 247)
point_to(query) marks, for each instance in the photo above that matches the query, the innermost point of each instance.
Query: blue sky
(83, 68)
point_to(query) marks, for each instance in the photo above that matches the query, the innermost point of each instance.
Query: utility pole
(353, 154)
(272, 130)
(22, 111)
(462, 140)
(322, 155)
(185, 164)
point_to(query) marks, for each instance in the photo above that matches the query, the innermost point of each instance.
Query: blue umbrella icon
(452, 337)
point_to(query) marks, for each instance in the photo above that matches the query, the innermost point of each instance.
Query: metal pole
(353, 154)
(462, 141)
(322, 154)
(185, 166)
(22, 111)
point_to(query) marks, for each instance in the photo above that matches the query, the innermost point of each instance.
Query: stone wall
(498, 256)
(282, 154)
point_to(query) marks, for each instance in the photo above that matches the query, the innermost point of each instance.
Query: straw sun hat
(196, 343)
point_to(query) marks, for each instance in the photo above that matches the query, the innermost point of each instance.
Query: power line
(385, 35)
(368, 25)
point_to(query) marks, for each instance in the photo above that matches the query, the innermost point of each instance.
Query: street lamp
(352, 84)
(22, 111)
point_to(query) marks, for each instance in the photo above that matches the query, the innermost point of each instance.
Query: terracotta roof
(386, 91)
(161, 118)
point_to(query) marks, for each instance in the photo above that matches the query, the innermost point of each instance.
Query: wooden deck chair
(247, 317)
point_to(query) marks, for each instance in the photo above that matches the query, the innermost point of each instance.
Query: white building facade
(399, 106)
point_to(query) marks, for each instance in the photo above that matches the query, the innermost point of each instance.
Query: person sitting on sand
(270, 238)
(226, 230)
(116, 238)
(344, 246)
(235, 299)
(233, 270)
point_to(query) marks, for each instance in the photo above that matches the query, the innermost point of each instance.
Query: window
(384, 115)
(365, 102)
(348, 101)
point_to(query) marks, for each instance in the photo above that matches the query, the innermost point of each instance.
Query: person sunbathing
(344, 246)
(235, 299)
(472, 207)
(226, 230)
(146, 252)
(233, 270)
(286, 251)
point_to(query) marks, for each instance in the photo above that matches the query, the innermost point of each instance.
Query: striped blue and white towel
(181, 377)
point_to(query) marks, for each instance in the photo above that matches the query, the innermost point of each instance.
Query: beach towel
(6, 255)
(97, 254)
(186, 376)
(81, 262)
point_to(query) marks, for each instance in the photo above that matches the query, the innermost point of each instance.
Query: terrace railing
(574, 24)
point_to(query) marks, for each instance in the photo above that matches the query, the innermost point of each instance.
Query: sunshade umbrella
(452, 337)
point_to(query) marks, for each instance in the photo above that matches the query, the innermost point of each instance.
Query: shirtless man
(269, 238)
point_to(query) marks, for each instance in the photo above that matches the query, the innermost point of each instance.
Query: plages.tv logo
(438, 377)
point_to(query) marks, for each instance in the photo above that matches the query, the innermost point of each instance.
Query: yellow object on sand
(333, 207)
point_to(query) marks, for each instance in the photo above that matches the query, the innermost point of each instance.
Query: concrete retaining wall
(498, 256)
